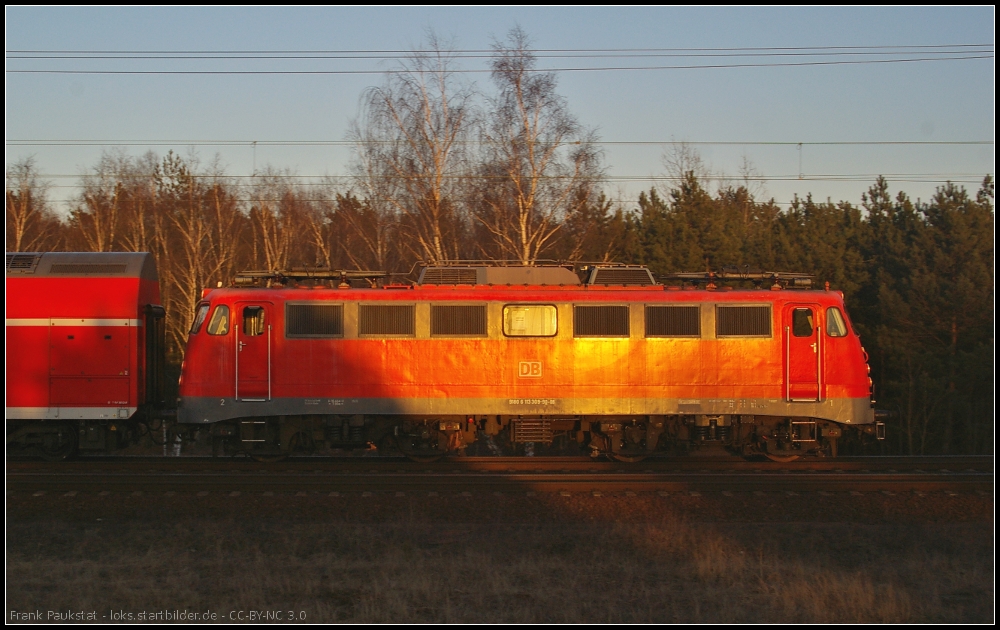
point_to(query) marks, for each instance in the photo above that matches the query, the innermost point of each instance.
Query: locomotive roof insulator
(307, 277)
(710, 279)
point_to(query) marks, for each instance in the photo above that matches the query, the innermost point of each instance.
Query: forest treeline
(441, 172)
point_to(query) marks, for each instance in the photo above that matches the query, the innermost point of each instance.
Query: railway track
(483, 475)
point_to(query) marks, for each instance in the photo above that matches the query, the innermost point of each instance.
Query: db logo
(529, 369)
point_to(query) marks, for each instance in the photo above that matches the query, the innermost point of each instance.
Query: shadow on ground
(508, 557)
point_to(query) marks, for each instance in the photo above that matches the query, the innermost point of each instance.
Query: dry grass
(420, 572)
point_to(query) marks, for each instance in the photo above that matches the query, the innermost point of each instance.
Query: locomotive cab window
(802, 322)
(253, 321)
(314, 320)
(835, 324)
(529, 320)
(219, 324)
(199, 318)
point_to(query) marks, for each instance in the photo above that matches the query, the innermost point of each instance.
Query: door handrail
(788, 360)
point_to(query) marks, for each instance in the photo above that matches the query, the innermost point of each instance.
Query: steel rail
(377, 465)
(356, 482)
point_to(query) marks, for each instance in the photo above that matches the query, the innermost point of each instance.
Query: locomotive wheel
(629, 459)
(409, 446)
(387, 446)
(268, 459)
(302, 443)
(60, 447)
(831, 447)
(781, 459)
(262, 441)
(422, 459)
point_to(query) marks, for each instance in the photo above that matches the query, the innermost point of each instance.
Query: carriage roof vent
(80, 269)
(83, 264)
(627, 275)
(22, 263)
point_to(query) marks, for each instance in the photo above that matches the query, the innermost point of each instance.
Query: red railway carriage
(84, 344)
(616, 364)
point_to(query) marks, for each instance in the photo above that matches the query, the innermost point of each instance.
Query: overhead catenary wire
(811, 56)
(616, 55)
(238, 142)
(487, 70)
(746, 57)
(391, 53)
(332, 200)
(923, 177)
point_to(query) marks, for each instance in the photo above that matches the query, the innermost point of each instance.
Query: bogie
(622, 438)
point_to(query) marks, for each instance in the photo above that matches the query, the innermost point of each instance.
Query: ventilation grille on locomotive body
(629, 276)
(382, 319)
(458, 320)
(600, 321)
(743, 321)
(449, 275)
(673, 321)
(314, 320)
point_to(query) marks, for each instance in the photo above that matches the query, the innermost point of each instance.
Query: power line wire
(911, 177)
(490, 50)
(481, 71)
(160, 142)
(603, 55)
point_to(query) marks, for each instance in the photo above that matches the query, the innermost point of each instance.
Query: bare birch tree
(411, 147)
(682, 162)
(276, 218)
(198, 231)
(98, 220)
(541, 165)
(372, 223)
(31, 224)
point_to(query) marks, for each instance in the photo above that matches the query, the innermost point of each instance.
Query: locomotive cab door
(253, 351)
(801, 332)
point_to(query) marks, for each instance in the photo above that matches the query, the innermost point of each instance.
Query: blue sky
(922, 101)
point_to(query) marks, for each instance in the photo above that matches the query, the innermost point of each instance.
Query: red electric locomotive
(614, 364)
(84, 348)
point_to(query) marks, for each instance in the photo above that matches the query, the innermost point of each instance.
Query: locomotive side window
(802, 322)
(314, 320)
(219, 324)
(529, 320)
(600, 321)
(835, 324)
(743, 321)
(673, 321)
(253, 321)
(458, 320)
(199, 318)
(382, 319)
